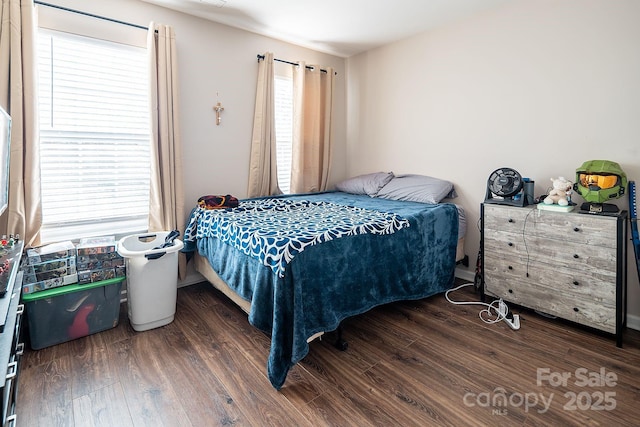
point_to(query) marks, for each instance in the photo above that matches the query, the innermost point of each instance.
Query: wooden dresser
(565, 264)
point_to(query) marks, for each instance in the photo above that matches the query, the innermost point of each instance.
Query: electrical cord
(524, 240)
(487, 313)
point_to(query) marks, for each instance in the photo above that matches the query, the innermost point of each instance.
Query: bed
(300, 264)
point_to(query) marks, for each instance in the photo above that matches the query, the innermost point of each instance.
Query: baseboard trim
(633, 322)
(192, 278)
(465, 274)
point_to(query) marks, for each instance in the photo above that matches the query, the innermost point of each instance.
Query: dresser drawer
(550, 251)
(595, 285)
(589, 312)
(505, 218)
(575, 227)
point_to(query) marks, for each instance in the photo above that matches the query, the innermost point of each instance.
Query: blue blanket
(275, 230)
(340, 277)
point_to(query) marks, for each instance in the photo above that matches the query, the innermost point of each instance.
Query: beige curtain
(166, 209)
(312, 121)
(263, 173)
(18, 98)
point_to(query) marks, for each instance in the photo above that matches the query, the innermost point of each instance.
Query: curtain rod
(66, 9)
(260, 57)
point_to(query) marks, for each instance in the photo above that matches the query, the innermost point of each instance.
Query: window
(283, 94)
(94, 136)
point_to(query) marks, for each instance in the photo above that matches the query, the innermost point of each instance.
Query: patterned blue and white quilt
(276, 230)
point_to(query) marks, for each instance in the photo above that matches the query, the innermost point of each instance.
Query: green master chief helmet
(598, 181)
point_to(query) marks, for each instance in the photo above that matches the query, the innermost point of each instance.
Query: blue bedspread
(340, 277)
(275, 230)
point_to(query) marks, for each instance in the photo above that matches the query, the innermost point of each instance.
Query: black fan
(505, 187)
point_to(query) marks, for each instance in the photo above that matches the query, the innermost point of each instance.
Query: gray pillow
(368, 184)
(418, 188)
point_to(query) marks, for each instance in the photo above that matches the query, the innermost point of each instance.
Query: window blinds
(283, 113)
(94, 136)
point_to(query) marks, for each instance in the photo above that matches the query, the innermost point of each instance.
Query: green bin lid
(62, 290)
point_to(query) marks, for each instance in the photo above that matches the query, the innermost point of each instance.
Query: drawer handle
(510, 291)
(511, 220)
(576, 256)
(510, 268)
(12, 370)
(576, 309)
(510, 244)
(576, 283)
(576, 229)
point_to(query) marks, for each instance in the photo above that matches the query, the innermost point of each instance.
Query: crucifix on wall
(218, 108)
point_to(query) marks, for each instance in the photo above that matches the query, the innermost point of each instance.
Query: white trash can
(152, 277)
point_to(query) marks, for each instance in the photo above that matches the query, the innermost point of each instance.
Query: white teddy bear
(561, 192)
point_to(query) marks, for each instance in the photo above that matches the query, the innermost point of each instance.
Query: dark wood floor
(417, 363)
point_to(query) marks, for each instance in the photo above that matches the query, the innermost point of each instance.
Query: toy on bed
(560, 194)
(218, 202)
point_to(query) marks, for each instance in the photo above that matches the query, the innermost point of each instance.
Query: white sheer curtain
(166, 209)
(18, 98)
(263, 173)
(312, 122)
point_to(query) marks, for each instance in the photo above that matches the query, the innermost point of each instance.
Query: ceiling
(338, 27)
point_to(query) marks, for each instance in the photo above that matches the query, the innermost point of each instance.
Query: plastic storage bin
(63, 314)
(49, 266)
(152, 278)
(98, 259)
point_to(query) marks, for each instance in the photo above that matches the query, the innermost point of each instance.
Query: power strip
(513, 320)
(514, 323)
(491, 313)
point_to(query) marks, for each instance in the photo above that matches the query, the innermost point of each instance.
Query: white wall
(216, 63)
(537, 85)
